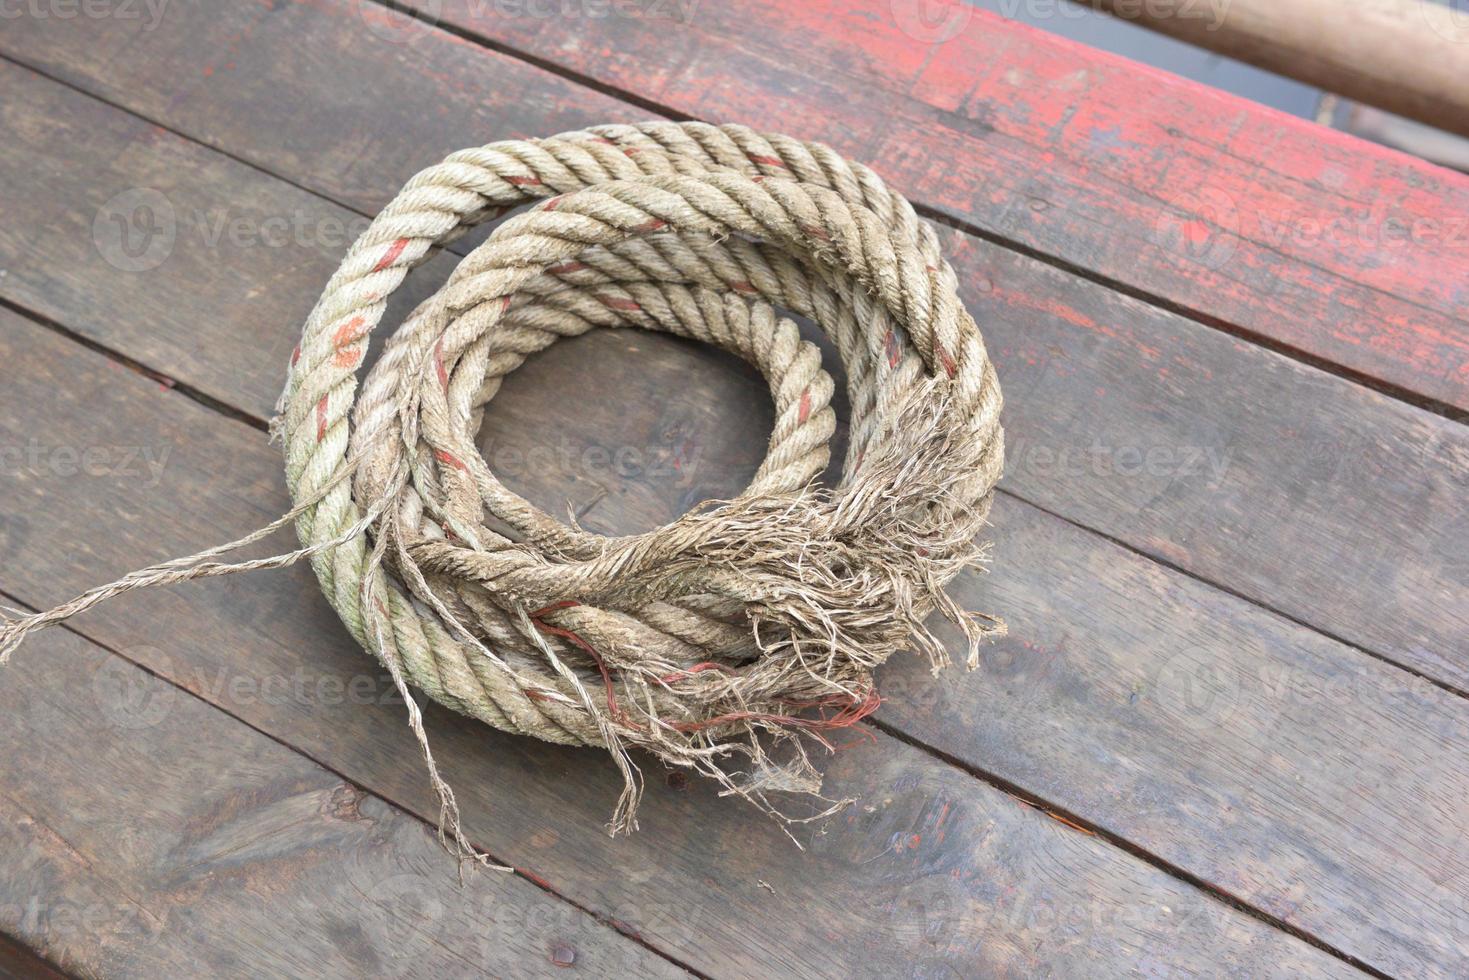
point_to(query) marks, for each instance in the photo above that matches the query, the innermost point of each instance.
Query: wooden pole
(1410, 57)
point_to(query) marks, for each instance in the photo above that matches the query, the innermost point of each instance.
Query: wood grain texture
(931, 873)
(1305, 492)
(1306, 779)
(1350, 252)
(697, 422)
(1318, 241)
(147, 834)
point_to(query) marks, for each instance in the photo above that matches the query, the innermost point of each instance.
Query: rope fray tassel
(729, 640)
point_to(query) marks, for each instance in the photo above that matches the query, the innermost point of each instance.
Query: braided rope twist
(764, 614)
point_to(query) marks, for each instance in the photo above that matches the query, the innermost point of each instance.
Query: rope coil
(760, 615)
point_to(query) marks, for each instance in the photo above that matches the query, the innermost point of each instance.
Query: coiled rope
(761, 615)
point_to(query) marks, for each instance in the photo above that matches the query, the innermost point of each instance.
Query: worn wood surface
(724, 456)
(1209, 453)
(148, 834)
(931, 862)
(1191, 744)
(1201, 199)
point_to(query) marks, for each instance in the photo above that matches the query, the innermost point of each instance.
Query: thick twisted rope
(764, 614)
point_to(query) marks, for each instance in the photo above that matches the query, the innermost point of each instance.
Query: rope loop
(717, 641)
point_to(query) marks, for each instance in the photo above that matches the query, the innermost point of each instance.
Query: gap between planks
(1081, 824)
(1386, 388)
(20, 962)
(1142, 554)
(1391, 390)
(1327, 367)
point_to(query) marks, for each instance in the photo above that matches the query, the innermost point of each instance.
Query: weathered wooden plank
(1309, 237)
(1229, 461)
(1326, 789)
(1313, 239)
(1125, 310)
(148, 834)
(932, 873)
(1315, 783)
(330, 130)
(1234, 743)
(1299, 234)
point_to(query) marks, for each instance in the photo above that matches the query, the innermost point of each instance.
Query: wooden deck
(1227, 734)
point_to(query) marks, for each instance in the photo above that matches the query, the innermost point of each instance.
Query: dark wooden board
(1270, 224)
(1234, 463)
(932, 873)
(20, 962)
(610, 509)
(1314, 783)
(285, 626)
(1349, 252)
(145, 833)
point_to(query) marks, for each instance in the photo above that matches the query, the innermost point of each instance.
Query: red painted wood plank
(1304, 236)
